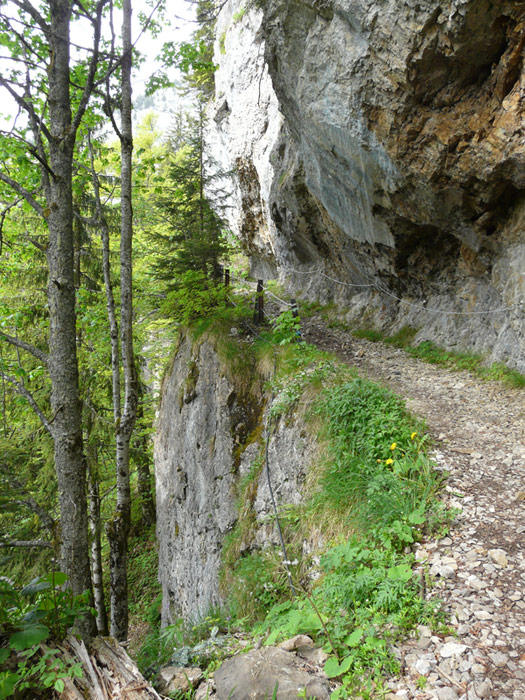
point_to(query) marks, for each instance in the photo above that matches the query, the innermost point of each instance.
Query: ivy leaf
(353, 639)
(28, 637)
(8, 682)
(333, 668)
(402, 572)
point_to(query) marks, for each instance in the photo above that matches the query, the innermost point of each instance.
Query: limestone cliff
(210, 438)
(379, 158)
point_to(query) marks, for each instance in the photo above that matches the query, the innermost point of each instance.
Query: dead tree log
(108, 673)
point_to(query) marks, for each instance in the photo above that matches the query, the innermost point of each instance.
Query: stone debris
(266, 673)
(451, 649)
(300, 640)
(178, 679)
(479, 568)
(499, 557)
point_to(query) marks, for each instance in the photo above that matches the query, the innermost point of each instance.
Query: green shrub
(41, 611)
(377, 469)
(258, 582)
(195, 297)
(366, 598)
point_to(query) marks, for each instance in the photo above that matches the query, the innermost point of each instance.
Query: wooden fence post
(258, 314)
(295, 314)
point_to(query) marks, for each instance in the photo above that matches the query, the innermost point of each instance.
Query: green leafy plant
(158, 647)
(377, 467)
(196, 297)
(367, 597)
(286, 328)
(40, 611)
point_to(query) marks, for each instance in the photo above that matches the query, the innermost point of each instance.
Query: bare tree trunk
(96, 556)
(144, 485)
(95, 529)
(63, 368)
(110, 299)
(118, 528)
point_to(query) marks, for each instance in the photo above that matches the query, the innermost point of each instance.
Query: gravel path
(479, 568)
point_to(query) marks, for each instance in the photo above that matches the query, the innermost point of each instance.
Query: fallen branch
(108, 672)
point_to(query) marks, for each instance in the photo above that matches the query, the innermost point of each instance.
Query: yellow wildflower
(393, 446)
(389, 461)
(412, 435)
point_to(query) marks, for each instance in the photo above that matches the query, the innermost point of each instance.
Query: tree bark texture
(142, 460)
(63, 368)
(118, 529)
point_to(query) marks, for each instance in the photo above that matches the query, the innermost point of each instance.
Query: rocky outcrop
(268, 673)
(379, 158)
(210, 438)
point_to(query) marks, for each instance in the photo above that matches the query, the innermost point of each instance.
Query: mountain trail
(478, 570)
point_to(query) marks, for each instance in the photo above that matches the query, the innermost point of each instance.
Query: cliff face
(380, 144)
(209, 440)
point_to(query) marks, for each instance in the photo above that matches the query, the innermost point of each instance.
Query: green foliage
(289, 389)
(196, 298)
(188, 234)
(432, 353)
(257, 582)
(38, 612)
(144, 588)
(194, 59)
(366, 598)
(368, 334)
(378, 465)
(286, 328)
(202, 644)
(376, 481)
(500, 372)
(157, 648)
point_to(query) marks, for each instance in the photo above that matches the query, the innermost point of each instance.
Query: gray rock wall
(204, 446)
(380, 144)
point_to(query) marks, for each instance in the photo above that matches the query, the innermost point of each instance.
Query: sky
(181, 27)
(180, 13)
(181, 17)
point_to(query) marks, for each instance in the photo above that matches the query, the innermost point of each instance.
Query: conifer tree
(191, 235)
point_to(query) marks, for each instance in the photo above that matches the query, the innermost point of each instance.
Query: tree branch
(34, 14)
(14, 185)
(39, 354)
(26, 106)
(93, 64)
(26, 543)
(20, 388)
(27, 499)
(3, 215)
